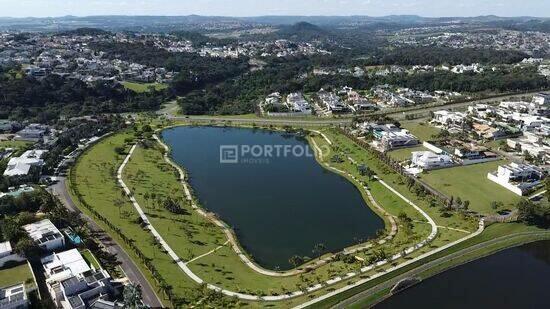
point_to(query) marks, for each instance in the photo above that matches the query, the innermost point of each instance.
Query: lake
(279, 200)
(513, 278)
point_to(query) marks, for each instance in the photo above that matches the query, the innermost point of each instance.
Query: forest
(45, 100)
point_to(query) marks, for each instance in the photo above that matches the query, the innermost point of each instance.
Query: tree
(119, 203)
(132, 297)
(318, 249)
(296, 260)
(466, 205)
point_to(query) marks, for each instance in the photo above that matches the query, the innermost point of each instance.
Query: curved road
(133, 273)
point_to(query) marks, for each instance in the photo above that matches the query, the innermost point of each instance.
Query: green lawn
(15, 144)
(90, 259)
(405, 153)
(15, 275)
(143, 87)
(471, 183)
(423, 131)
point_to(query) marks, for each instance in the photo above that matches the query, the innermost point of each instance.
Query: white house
(541, 99)
(8, 255)
(72, 283)
(518, 178)
(427, 160)
(21, 166)
(45, 234)
(14, 297)
(448, 119)
(297, 103)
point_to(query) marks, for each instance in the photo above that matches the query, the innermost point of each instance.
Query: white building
(518, 178)
(427, 160)
(399, 139)
(33, 132)
(297, 103)
(21, 166)
(448, 119)
(481, 110)
(72, 283)
(8, 255)
(541, 99)
(45, 234)
(14, 297)
(331, 101)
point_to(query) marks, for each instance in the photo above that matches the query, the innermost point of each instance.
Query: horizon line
(284, 15)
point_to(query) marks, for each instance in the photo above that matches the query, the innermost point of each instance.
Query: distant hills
(207, 23)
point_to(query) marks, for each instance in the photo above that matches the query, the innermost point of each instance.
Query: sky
(428, 8)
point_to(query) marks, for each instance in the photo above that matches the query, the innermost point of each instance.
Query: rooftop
(63, 265)
(42, 231)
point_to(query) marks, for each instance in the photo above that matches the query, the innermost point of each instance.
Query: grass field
(420, 129)
(143, 87)
(471, 183)
(94, 177)
(405, 153)
(15, 275)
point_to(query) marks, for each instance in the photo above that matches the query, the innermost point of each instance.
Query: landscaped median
(153, 183)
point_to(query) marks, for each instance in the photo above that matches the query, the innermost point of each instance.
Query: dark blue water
(514, 278)
(278, 206)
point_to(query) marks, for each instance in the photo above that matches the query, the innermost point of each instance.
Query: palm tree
(119, 203)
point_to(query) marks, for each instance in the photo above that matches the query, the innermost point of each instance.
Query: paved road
(128, 266)
(437, 262)
(275, 121)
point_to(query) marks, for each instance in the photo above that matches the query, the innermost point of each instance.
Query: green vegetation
(17, 274)
(46, 99)
(144, 87)
(471, 183)
(90, 258)
(15, 144)
(420, 129)
(405, 153)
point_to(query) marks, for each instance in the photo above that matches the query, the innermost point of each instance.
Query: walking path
(208, 253)
(197, 279)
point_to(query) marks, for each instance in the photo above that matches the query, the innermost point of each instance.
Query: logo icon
(229, 154)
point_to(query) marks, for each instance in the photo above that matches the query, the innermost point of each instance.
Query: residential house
(399, 139)
(20, 166)
(33, 132)
(428, 160)
(8, 255)
(297, 103)
(73, 284)
(14, 297)
(45, 234)
(518, 178)
(331, 101)
(449, 119)
(487, 131)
